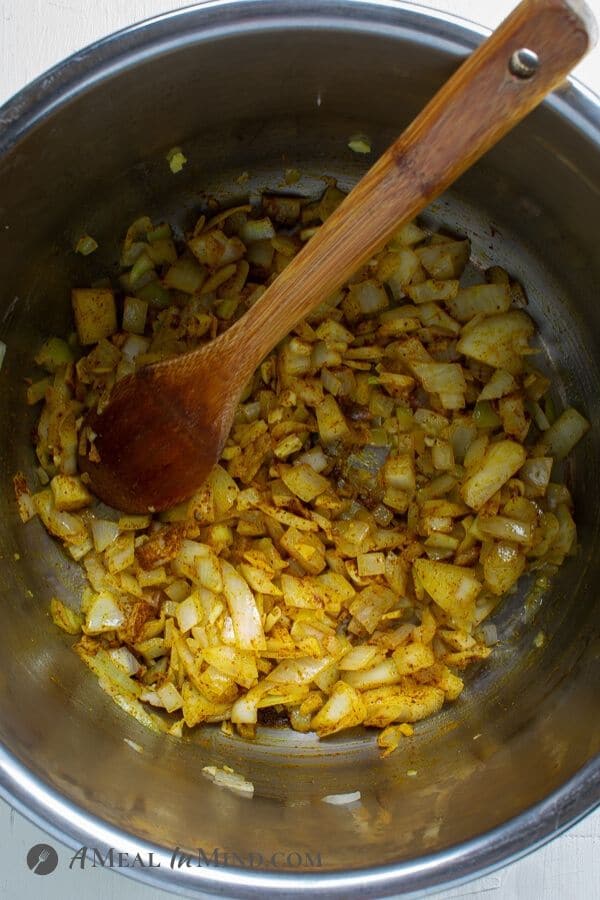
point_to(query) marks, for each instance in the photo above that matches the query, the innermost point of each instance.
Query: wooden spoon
(165, 426)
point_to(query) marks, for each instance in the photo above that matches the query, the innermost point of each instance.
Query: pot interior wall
(261, 102)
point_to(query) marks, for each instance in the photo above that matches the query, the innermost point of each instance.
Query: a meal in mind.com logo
(42, 859)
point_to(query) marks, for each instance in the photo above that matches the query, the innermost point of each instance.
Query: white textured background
(36, 34)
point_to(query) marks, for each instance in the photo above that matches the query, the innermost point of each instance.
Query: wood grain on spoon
(165, 426)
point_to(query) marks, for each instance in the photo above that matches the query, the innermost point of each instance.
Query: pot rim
(31, 795)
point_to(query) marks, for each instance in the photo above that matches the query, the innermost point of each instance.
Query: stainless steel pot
(258, 87)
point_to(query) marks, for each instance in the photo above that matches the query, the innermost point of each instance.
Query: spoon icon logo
(42, 859)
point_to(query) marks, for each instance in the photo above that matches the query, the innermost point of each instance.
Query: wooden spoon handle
(489, 94)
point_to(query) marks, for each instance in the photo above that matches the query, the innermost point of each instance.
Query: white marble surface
(35, 34)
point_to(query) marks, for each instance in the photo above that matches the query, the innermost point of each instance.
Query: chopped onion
(489, 633)
(369, 296)
(298, 671)
(103, 533)
(563, 435)
(176, 160)
(104, 614)
(377, 497)
(189, 614)
(170, 697)
(503, 528)
(342, 799)
(124, 658)
(244, 612)
(86, 245)
(227, 778)
(315, 458)
(359, 143)
(257, 230)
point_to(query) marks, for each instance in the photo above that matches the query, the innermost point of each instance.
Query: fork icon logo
(42, 859)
